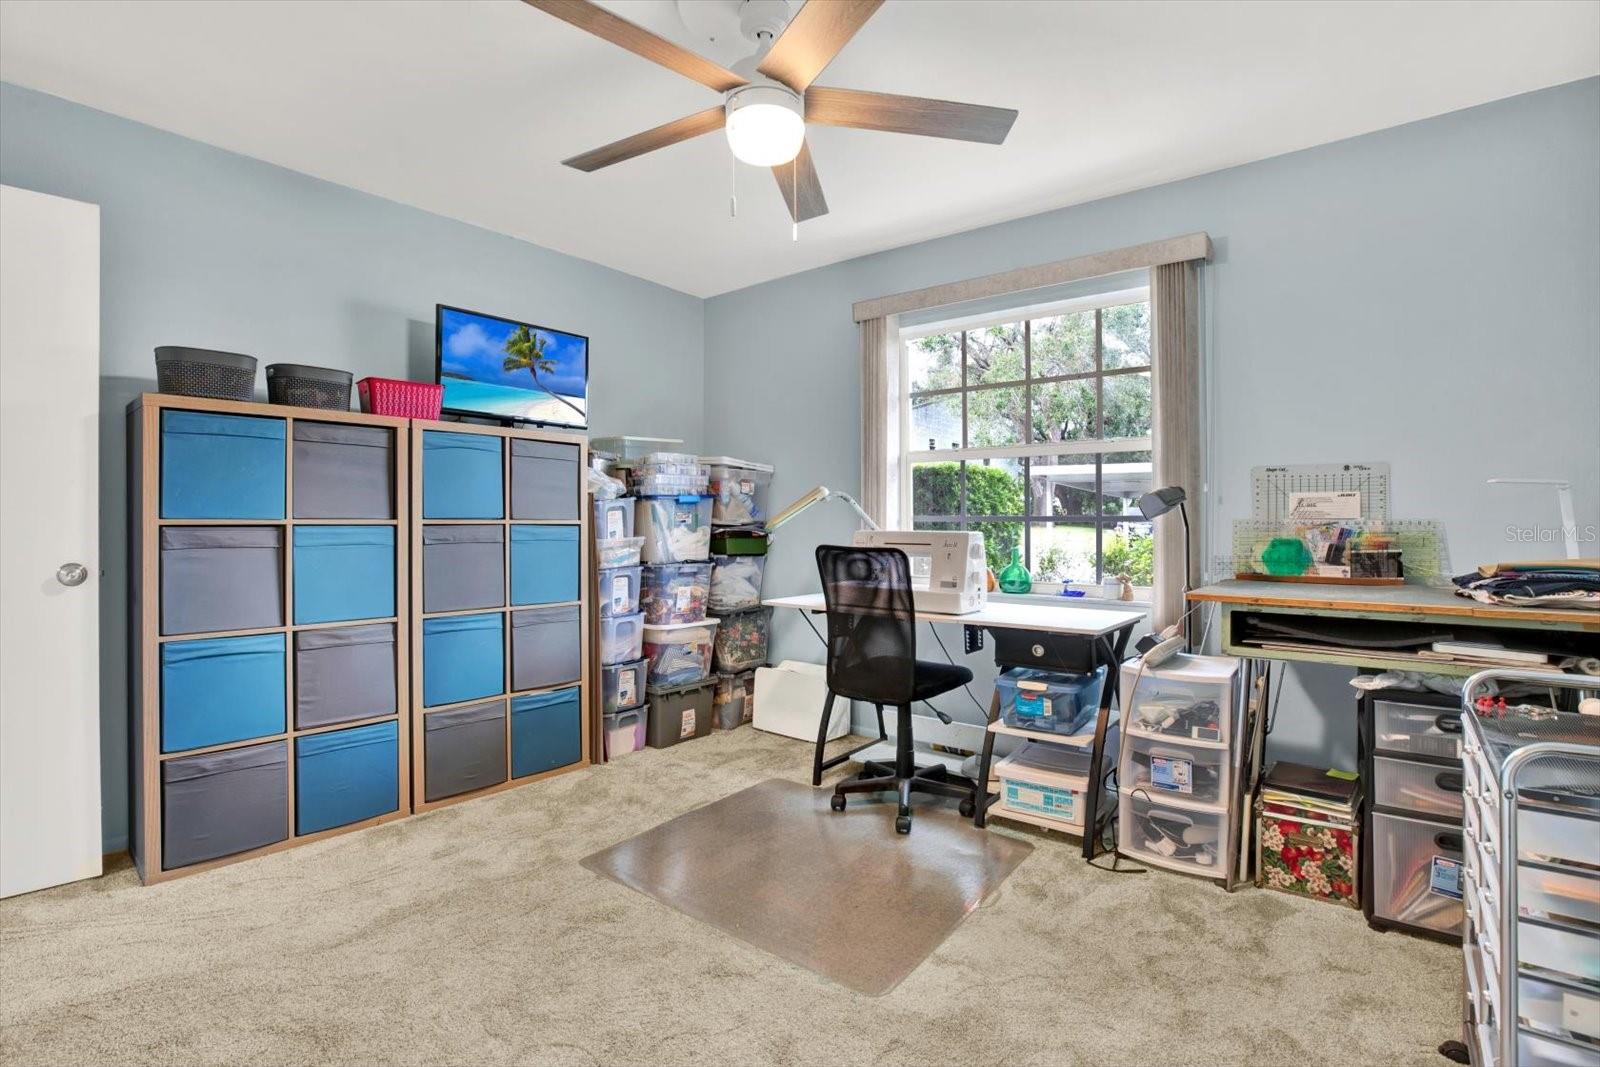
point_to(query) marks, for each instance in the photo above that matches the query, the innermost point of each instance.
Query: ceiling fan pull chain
(794, 187)
(733, 187)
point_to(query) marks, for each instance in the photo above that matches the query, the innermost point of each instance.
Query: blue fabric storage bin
(544, 564)
(343, 572)
(463, 658)
(221, 689)
(346, 776)
(221, 466)
(546, 732)
(462, 476)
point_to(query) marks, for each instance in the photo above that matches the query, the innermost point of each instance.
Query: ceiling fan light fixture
(765, 124)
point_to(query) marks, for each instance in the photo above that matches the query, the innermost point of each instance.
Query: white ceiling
(466, 107)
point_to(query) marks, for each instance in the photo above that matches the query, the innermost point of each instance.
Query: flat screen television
(504, 369)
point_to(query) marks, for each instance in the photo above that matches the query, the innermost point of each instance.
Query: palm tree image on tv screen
(506, 369)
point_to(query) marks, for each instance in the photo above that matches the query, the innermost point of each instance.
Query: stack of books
(1308, 824)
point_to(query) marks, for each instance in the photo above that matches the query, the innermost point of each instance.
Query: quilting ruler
(1272, 487)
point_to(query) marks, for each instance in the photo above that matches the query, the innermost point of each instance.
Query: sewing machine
(949, 573)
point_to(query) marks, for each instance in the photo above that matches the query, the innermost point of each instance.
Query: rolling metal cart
(1531, 880)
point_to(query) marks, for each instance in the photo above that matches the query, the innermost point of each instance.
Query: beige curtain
(1175, 343)
(881, 419)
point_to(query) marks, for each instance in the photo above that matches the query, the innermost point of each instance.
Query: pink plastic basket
(406, 400)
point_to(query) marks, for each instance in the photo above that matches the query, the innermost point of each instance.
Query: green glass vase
(1014, 577)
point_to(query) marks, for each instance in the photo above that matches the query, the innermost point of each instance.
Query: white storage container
(676, 529)
(1189, 775)
(1182, 839)
(631, 448)
(679, 654)
(1416, 729)
(624, 731)
(738, 490)
(1046, 781)
(736, 582)
(1186, 698)
(789, 700)
(1421, 787)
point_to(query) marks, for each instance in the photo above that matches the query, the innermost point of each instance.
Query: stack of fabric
(1565, 583)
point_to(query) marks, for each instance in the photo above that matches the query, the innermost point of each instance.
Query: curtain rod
(1134, 257)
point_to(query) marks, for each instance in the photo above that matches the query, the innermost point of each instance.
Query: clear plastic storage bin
(676, 529)
(669, 484)
(624, 731)
(680, 653)
(621, 638)
(675, 592)
(738, 490)
(1187, 698)
(736, 582)
(622, 685)
(741, 642)
(613, 519)
(1416, 872)
(734, 702)
(1416, 729)
(1179, 838)
(619, 590)
(618, 552)
(1187, 774)
(1049, 702)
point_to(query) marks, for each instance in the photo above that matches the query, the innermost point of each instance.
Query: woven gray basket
(308, 387)
(204, 372)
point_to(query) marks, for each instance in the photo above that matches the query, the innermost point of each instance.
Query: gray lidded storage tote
(221, 578)
(222, 803)
(463, 567)
(343, 472)
(343, 674)
(464, 749)
(544, 480)
(546, 647)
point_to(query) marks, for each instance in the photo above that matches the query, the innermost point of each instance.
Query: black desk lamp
(1155, 504)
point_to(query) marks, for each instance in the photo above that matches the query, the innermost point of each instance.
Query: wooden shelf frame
(144, 567)
(587, 681)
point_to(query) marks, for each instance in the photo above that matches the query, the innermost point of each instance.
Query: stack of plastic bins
(1175, 779)
(619, 627)
(1412, 821)
(738, 490)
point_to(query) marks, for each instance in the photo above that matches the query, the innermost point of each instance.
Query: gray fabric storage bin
(343, 472)
(222, 803)
(546, 647)
(464, 749)
(544, 480)
(463, 567)
(221, 578)
(343, 674)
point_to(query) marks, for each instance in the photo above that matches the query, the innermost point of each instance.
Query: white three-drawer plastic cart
(1532, 879)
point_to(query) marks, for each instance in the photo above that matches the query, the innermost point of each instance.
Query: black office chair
(872, 656)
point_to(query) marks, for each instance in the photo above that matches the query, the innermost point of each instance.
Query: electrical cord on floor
(1111, 825)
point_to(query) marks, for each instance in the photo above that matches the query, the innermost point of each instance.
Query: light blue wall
(1427, 295)
(204, 247)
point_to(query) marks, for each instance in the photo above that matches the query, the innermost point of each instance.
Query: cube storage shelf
(269, 578)
(501, 686)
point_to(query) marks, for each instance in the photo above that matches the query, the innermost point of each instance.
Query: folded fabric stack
(1566, 583)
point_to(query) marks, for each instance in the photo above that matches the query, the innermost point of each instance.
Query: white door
(49, 541)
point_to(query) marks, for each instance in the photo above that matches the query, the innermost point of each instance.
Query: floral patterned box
(1307, 852)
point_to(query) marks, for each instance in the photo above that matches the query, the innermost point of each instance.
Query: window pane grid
(1070, 545)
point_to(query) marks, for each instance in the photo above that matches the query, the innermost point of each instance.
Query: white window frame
(1090, 446)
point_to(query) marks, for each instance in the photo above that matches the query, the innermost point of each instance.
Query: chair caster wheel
(836, 802)
(967, 808)
(1455, 1051)
(902, 824)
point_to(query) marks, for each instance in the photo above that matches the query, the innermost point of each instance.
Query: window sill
(1049, 599)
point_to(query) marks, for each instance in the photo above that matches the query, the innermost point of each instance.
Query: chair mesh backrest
(872, 637)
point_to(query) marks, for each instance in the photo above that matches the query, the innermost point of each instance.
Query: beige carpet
(472, 935)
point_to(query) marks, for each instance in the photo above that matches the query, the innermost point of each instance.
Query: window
(1034, 427)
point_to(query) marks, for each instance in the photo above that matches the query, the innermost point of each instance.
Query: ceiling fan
(768, 98)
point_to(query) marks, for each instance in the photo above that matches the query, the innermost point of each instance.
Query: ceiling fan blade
(712, 118)
(801, 190)
(812, 38)
(592, 18)
(908, 114)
